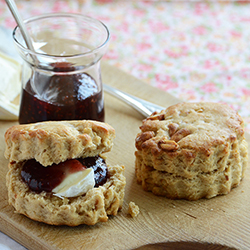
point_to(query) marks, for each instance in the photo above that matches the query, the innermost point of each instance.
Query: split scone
(191, 151)
(57, 174)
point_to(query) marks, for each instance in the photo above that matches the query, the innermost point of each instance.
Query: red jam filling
(40, 178)
(61, 97)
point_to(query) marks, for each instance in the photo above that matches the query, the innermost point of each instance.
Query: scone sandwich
(57, 174)
(191, 151)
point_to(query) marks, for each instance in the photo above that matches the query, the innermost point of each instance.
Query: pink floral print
(196, 51)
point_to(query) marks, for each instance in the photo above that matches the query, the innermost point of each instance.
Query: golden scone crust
(93, 207)
(191, 151)
(54, 142)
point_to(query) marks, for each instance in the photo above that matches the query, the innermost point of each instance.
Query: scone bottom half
(79, 187)
(191, 151)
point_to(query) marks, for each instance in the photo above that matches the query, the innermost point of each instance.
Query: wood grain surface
(219, 223)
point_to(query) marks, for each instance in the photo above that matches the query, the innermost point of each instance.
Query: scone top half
(53, 142)
(191, 138)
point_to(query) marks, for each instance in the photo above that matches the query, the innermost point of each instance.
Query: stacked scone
(57, 174)
(191, 151)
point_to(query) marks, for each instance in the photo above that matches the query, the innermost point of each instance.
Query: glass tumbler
(61, 78)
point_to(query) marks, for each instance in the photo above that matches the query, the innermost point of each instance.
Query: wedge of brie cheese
(76, 184)
(10, 87)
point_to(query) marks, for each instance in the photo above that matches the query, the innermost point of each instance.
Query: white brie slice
(8, 110)
(76, 184)
(10, 87)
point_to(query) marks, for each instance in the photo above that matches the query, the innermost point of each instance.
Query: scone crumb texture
(191, 151)
(56, 141)
(133, 209)
(93, 207)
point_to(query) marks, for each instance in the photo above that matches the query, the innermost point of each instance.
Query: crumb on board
(133, 209)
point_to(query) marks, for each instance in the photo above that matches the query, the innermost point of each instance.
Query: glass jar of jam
(61, 78)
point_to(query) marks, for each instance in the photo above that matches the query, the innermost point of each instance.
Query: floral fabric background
(196, 51)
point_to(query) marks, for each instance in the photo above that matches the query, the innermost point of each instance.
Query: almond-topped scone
(191, 151)
(58, 175)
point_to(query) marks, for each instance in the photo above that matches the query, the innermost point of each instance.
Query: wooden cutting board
(223, 220)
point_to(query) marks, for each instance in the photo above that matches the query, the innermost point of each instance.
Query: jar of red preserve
(61, 78)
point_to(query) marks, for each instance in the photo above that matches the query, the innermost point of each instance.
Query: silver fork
(144, 107)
